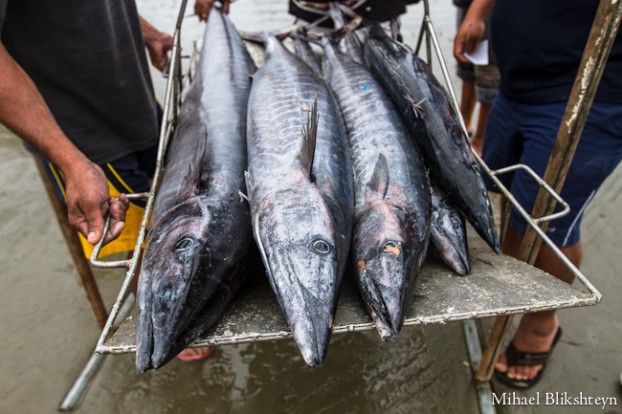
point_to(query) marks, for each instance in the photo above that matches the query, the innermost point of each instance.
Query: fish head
(297, 243)
(384, 249)
(169, 271)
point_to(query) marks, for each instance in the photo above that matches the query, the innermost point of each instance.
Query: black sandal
(527, 359)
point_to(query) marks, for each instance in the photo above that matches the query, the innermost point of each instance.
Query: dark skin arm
(158, 44)
(29, 117)
(202, 8)
(472, 29)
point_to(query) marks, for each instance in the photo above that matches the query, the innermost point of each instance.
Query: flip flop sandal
(526, 359)
(196, 357)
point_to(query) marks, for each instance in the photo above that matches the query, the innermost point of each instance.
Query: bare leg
(467, 102)
(536, 331)
(477, 142)
(195, 354)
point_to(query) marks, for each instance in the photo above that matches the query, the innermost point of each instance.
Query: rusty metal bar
(75, 249)
(597, 49)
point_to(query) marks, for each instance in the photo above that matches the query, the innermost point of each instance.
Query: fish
(304, 51)
(435, 126)
(347, 40)
(300, 189)
(351, 45)
(392, 204)
(448, 233)
(200, 234)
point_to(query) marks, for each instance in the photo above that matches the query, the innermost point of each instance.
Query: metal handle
(542, 183)
(98, 246)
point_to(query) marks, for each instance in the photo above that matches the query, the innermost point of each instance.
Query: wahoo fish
(391, 193)
(448, 233)
(201, 233)
(434, 125)
(303, 50)
(300, 188)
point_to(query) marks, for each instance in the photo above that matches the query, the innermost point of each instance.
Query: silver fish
(448, 233)
(300, 188)
(391, 193)
(433, 123)
(304, 51)
(201, 231)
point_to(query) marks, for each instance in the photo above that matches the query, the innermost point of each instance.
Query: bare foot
(195, 354)
(530, 337)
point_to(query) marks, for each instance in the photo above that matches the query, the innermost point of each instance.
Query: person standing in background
(479, 84)
(538, 63)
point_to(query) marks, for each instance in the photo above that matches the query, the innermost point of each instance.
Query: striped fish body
(427, 112)
(201, 232)
(300, 193)
(391, 189)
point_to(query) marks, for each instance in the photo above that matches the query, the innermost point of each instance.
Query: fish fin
(309, 135)
(193, 177)
(379, 182)
(255, 37)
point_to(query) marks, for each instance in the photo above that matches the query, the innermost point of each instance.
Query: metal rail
(172, 100)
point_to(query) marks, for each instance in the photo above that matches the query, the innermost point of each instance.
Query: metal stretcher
(498, 286)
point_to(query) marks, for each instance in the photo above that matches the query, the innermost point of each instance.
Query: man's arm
(203, 7)
(472, 29)
(158, 44)
(24, 111)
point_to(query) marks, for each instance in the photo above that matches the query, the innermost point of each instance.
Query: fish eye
(320, 246)
(184, 244)
(392, 247)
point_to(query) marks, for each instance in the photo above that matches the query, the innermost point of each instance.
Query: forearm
(472, 29)
(158, 44)
(25, 112)
(150, 33)
(479, 10)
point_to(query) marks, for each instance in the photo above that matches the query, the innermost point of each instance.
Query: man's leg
(536, 331)
(598, 153)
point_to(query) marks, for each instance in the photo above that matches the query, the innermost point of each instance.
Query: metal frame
(172, 103)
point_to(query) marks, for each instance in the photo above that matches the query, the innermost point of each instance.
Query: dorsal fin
(309, 136)
(191, 182)
(379, 182)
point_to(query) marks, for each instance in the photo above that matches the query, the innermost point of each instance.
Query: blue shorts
(525, 134)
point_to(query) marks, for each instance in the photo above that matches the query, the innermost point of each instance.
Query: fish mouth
(164, 316)
(385, 303)
(309, 311)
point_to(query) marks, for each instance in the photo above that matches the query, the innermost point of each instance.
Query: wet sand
(48, 329)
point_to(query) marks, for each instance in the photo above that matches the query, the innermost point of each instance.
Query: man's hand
(472, 30)
(158, 44)
(203, 7)
(469, 35)
(88, 202)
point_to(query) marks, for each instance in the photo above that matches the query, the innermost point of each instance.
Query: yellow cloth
(127, 240)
